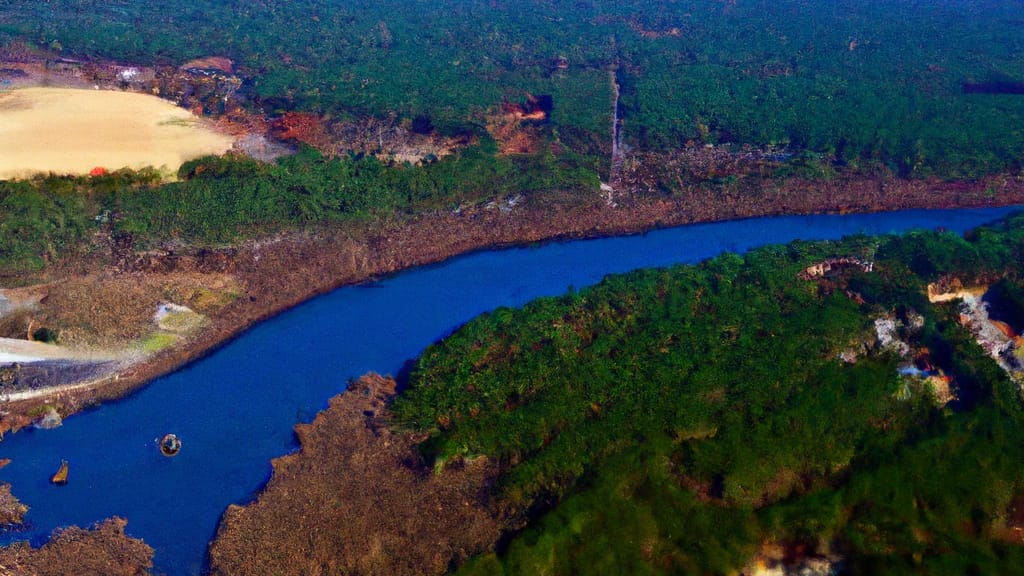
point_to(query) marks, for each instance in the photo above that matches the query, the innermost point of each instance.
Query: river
(234, 410)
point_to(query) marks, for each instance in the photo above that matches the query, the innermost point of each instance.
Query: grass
(157, 341)
(182, 321)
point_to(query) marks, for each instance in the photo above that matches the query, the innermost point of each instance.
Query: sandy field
(66, 130)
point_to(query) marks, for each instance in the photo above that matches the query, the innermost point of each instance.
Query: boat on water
(170, 445)
(61, 476)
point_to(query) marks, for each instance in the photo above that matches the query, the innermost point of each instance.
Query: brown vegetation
(304, 127)
(116, 310)
(358, 499)
(517, 128)
(11, 509)
(105, 549)
(533, 110)
(512, 136)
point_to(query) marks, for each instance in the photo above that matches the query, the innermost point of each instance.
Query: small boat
(170, 445)
(61, 476)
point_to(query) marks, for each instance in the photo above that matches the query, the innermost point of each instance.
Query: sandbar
(73, 131)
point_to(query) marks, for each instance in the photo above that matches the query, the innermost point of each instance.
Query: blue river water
(234, 410)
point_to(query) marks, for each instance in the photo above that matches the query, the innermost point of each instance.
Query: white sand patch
(66, 130)
(178, 319)
(6, 358)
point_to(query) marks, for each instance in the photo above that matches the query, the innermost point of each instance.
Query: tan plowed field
(72, 131)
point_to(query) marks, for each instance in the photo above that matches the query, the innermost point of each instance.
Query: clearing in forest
(66, 130)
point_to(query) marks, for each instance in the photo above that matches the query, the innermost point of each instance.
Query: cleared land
(67, 130)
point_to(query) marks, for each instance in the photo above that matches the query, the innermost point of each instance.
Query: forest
(665, 421)
(851, 88)
(676, 420)
(884, 82)
(223, 199)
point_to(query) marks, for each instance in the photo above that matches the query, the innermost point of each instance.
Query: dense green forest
(218, 200)
(863, 82)
(674, 420)
(865, 85)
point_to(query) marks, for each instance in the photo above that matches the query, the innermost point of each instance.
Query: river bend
(234, 410)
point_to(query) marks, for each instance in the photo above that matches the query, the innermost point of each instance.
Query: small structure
(60, 477)
(170, 445)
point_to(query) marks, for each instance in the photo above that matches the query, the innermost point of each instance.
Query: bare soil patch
(65, 130)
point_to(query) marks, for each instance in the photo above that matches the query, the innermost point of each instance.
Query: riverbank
(650, 328)
(277, 273)
(103, 549)
(286, 367)
(351, 497)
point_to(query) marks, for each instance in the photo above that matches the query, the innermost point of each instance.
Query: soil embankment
(73, 131)
(358, 500)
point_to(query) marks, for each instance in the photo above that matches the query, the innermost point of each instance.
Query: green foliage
(39, 219)
(50, 216)
(48, 335)
(639, 522)
(1008, 299)
(224, 198)
(669, 421)
(860, 83)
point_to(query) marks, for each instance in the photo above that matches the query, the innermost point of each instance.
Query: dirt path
(52, 391)
(27, 351)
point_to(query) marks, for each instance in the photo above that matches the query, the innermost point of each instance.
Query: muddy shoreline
(285, 270)
(358, 499)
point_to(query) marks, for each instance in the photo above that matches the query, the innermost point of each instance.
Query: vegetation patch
(674, 420)
(158, 341)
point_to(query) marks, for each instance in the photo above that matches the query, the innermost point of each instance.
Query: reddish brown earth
(221, 63)
(11, 509)
(73, 551)
(358, 500)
